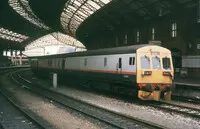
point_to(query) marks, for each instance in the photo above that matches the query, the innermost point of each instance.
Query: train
(146, 68)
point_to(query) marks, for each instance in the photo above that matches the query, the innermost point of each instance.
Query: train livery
(146, 68)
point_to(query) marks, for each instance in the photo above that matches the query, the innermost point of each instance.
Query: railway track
(1, 127)
(164, 105)
(172, 107)
(186, 99)
(13, 116)
(106, 116)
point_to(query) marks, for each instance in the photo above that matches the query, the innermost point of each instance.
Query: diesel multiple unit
(146, 68)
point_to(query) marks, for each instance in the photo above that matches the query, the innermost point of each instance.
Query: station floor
(187, 81)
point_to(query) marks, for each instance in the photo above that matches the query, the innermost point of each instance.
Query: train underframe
(155, 91)
(144, 91)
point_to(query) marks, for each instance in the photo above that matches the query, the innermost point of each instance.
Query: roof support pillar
(20, 58)
(54, 80)
(198, 12)
(15, 57)
(15, 52)
(6, 54)
(1, 52)
(11, 55)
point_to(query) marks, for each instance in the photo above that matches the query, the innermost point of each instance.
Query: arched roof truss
(76, 11)
(11, 36)
(55, 39)
(22, 8)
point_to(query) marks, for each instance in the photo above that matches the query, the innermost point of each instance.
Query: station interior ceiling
(97, 23)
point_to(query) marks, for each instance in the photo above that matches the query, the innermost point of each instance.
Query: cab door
(63, 64)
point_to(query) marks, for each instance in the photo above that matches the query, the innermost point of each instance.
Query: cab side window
(166, 63)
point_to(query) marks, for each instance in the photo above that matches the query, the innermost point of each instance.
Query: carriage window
(49, 62)
(166, 63)
(132, 61)
(85, 63)
(145, 62)
(63, 63)
(58, 63)
(105, 61)
(156, 62)
(120, 63)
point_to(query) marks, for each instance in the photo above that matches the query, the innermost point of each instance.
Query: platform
(12, 67)
(187, 81)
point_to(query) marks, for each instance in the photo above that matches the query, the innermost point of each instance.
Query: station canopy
(82, 19)
(55, 38)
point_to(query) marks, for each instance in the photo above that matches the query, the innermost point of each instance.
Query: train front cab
(155, 73)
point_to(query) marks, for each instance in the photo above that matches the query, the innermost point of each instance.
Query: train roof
(105, 51)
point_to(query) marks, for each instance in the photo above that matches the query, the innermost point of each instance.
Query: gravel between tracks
(171, 120)
(187, 93)
(142, 112)
(57, 116)
(11, 117)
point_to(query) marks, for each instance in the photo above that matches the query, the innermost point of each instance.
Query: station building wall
(187, 38)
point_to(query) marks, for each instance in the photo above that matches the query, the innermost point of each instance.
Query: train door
(119, 66)
(63, 63)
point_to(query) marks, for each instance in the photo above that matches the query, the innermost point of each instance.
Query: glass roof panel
(83, 9)
(20, 6)
(106, 1)
(68, 13)
(83, 14)
(10, 35)
(86, 8)
(93, 4)
(77, 3)
(65, 21)
(55, 38)
(7, 37)
(78, 18)
(72, 8)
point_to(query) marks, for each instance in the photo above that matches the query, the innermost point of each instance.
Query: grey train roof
(106, 51)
